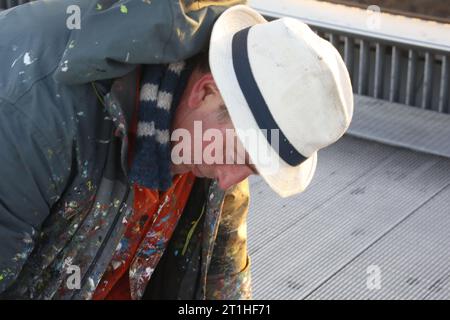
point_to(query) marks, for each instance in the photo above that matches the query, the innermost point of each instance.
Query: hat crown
(304, 82)
(280, 75)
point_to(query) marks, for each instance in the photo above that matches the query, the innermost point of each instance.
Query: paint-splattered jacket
(63, 168)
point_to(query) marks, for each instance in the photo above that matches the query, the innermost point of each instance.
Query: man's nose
(229, 175)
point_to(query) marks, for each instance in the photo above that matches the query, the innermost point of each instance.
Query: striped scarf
(161, 88)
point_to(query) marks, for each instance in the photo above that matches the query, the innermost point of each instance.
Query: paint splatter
(27, 60)
(116, 264)
(84, 174)
(67, 262)
(149, 251)
(28, 239)
(91, 283)
(148, 272)
(64, 66)
(17, 59)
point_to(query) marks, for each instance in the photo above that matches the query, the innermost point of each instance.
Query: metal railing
(413, 75)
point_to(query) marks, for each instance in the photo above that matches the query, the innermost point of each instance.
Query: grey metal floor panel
(413, 259)
(400, 125)
(356, 199)
(340, 165)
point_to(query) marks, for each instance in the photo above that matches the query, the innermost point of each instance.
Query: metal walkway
(377, 204)
(400, 125)
(369, 204)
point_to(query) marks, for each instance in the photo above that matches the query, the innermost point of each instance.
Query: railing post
(394, 76)
(348, 54)
(410, 98)
(379, 70)
(363, 68)
(443, 105)
(427, 81)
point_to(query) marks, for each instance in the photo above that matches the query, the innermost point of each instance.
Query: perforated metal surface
(400, 125)
(364, 194)
(413, 260)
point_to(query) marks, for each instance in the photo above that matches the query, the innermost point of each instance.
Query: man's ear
(204, 86)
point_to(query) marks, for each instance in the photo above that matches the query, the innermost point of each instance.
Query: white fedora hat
(280, 75)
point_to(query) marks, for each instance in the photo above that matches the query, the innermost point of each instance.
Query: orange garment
(115, 283)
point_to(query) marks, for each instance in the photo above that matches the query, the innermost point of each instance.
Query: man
(99, 197)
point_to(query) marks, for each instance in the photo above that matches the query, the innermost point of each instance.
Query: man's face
(214, 150)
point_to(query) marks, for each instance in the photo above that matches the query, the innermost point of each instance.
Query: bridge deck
(369, 204)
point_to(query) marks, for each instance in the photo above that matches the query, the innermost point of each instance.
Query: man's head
(283, 86)
(201, 111)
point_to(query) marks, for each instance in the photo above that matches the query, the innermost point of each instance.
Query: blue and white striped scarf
(161, 89)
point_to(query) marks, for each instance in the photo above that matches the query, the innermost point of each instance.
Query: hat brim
(284, 179)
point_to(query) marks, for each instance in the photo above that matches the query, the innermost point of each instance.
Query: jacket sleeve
(118, 35)
(30, 183)
(229, 272)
